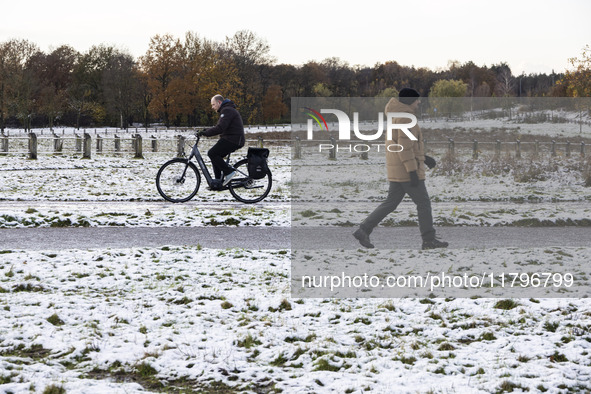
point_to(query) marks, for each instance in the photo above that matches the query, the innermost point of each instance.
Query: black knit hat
(408, 96)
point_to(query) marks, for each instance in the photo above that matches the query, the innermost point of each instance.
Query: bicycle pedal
(217, 189)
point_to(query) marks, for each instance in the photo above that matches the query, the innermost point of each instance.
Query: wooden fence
(86, 145)
(473, 148)
(136, 145)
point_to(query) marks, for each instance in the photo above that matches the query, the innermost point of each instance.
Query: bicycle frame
(195, 153)
(174, 181)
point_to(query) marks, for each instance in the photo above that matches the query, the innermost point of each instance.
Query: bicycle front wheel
(248, 190)
(178, 180)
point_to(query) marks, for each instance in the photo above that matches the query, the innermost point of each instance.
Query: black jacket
(229, 126)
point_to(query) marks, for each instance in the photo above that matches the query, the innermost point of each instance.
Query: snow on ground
(449, 214)
(152, 319)
(484, 192)
(113, 321)
(558, 123)
(558, 130)
(142, 214)
(157, 130)
(107, 178)
(112, 191)
(106, 190)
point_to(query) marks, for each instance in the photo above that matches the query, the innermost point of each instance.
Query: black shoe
(363, 238)
(216, 185)
(434, 244)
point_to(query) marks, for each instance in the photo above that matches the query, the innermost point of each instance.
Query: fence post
(451, 147)
(180, 147)
(298, 148)
(553, 150)
(86, 154)
(567, 148)
(78, 143)
(4, 145)
(57, 143)
(154, 144)
(475, 149)
(332, 154)
(582, 149)
(138, 146)
(260, 141)
(536, 148)
(364, 155)
(518, 149)
(99, 144)
(498, 149)
(32, 146)
(424, 145)
(117, 143)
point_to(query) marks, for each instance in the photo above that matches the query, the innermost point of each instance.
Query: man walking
(231, 131)
(406, 174)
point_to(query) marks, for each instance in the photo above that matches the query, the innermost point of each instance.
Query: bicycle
(178, 180)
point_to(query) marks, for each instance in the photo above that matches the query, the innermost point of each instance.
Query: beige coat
(412, 157)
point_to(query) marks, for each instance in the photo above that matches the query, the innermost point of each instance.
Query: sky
(531, 36)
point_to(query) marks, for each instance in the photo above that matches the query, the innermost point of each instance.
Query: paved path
(458, 237)
(125, 237)
(284, 237)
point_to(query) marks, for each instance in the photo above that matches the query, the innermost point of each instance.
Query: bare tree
(505, 86)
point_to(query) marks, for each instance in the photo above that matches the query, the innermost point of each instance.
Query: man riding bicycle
(231, 131)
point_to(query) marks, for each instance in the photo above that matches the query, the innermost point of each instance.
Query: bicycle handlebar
(199, 132)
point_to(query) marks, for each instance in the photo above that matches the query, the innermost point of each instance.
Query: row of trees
(173, 82)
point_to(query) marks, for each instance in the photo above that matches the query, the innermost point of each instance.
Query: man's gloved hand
(414, 179)
(430, 162)
(200, 132)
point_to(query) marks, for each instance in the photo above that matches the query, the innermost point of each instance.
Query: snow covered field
(570, 129)
(177, 319)
(168, 319)
(67, 191)
(158, 130)
(102, 191)
(483, 192)
(556, 122)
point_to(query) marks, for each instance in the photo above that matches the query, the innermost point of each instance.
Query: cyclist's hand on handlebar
(200, 132)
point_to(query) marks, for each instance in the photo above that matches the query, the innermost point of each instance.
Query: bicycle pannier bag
(257, 162)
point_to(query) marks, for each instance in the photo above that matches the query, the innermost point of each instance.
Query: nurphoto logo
(344, 129)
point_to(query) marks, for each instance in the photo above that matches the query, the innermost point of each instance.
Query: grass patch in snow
(506, 304)
(508, 387)
(55, 320)
(33, 352)
(54, 389)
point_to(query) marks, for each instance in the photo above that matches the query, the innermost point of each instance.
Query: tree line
(173, 82)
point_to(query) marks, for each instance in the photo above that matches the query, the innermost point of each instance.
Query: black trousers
(216, 154)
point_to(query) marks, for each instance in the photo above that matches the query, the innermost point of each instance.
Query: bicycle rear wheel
(178, 180)
(248, 190)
